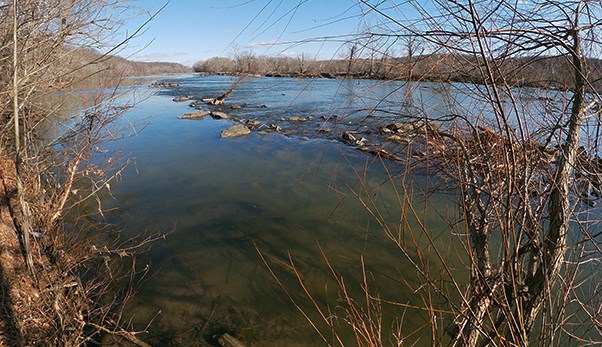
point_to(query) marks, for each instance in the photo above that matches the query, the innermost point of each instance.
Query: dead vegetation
(63, 284)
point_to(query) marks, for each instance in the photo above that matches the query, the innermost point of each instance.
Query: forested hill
(92, 60)
(86, 68)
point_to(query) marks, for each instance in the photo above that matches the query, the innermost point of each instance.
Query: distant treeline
(548, 72)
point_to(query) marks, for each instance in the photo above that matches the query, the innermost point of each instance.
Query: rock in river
(235, 131)
(350, 139)
(219, 115)
(181, 99)
(196, 115)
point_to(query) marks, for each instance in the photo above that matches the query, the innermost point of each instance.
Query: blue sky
(187, 31)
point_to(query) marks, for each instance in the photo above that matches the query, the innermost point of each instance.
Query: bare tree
(526, 176)
(509, 186)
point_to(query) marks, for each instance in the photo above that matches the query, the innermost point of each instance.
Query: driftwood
(380, 153)
(120, 336)
(220, 99)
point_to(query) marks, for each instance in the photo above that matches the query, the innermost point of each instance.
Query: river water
(291, 196)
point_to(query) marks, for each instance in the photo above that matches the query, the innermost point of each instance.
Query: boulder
(236, 131)
(219, 115)
(196, 115)
(235, 107)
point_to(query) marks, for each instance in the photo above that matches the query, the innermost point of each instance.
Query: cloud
(228, 31)
(263, 44)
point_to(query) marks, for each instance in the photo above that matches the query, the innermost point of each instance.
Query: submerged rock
(196, 115)
(227, 340)
(181, 99)
(236, 131)
(196, 105)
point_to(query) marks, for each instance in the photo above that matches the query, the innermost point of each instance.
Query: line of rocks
(391, 135)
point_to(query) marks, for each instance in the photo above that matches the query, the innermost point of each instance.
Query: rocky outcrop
(236, 131)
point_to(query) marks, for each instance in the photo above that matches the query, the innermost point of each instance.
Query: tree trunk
(23, 219)
(554, 242)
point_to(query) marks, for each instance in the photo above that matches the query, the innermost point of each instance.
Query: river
(297, 195)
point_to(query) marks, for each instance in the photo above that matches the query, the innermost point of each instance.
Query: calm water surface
(225, 199)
